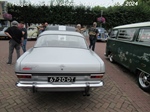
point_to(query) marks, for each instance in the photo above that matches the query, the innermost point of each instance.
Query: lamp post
(101, 13)
(101, 17)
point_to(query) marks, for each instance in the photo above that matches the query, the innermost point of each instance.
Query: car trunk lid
(60, 60)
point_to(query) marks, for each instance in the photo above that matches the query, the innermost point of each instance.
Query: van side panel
(132, 55)
(141, 52)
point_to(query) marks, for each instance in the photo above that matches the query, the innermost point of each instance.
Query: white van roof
(134, 25)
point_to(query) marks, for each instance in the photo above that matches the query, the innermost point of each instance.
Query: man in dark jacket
(93, 33)
(15, 35)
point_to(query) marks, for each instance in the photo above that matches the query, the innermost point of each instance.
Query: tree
(61, 2)
(69, 14)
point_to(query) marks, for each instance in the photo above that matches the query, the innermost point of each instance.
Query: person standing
(15, 35)
(42, 27)
(93, 33)
(78, 28)
(24, 32)
(45, 25)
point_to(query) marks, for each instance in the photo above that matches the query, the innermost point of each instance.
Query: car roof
(100, 28)
(58, 32)
(61, 28)
(141, 24)
(32, 27)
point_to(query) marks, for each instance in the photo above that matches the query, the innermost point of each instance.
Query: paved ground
(119, 94)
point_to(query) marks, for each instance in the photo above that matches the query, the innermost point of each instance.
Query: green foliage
(69, 14)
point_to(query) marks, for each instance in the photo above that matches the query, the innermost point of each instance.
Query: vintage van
(129, 45)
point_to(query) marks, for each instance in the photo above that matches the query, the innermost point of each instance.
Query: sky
(102, 3)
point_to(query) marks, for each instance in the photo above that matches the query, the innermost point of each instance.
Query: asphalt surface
(120, 92)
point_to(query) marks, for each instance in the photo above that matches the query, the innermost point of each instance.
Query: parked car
(129, 45)
(32, 32)
(60, 61)
(103, 35)
(2, 33)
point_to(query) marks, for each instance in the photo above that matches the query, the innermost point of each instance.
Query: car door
(123, 46)
(111, 48)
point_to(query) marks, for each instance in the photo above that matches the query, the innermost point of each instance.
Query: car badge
(62, 67)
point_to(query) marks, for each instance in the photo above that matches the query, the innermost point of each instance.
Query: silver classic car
(60, 61)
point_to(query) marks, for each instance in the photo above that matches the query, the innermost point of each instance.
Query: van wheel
(111, 58)
(144, 81)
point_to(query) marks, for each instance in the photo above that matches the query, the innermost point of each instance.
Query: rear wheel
(111, 58)
(144, 81)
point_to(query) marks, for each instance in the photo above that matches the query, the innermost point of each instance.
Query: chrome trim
(29, 85)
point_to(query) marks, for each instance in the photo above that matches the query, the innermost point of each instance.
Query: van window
(126, 34)
(113, 34)
(144, 35)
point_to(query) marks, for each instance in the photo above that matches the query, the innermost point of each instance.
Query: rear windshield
(68, 41)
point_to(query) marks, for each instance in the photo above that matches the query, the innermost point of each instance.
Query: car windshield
(67, 41)
(5, 28)
(101, 30)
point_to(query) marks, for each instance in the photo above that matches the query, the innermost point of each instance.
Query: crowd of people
(92, 32)
(18, 36)
(42, 27)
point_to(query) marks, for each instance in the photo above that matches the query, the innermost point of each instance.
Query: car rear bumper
(58, 87)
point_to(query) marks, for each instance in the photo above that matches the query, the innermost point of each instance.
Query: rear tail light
(26, 68)
(26, 76)
(97, 76)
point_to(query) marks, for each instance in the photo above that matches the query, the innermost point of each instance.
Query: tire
(144, 81)
(111, 58)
